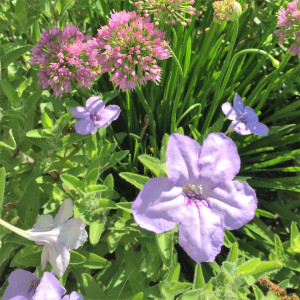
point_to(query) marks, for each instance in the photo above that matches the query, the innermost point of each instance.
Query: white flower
(58, 236)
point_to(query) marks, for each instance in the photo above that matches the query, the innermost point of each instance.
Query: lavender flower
(58, 236)
(199, 194)
(24, 285)
(244, 119)
(94, 116)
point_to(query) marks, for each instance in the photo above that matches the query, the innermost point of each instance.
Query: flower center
(194, 195)
(242, 117)
(94, 117)
(33, 286)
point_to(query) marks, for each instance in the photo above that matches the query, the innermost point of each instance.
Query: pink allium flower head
(288, 21)
(169, 11)
(229, 10)
(65, 55)
(130, 46)
(200, 194)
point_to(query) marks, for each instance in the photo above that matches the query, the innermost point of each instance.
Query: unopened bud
(236, 12)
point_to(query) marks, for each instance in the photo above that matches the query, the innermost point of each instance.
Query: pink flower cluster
(169, 11)
(289, 22)
(130, 46)
(63, 56)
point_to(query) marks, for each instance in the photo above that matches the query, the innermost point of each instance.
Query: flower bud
(236, 12)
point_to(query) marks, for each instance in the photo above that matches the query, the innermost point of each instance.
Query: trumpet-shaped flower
(130, 47)
(94, 116)
(58, 236)
(199, 194)
(169, 11)
(244, 119)
(24, 285)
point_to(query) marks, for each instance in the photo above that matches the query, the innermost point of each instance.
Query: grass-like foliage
(171, 128)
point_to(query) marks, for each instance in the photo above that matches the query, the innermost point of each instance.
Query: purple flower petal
(49, 288)
(65, 212)
(241, 128)
(234, 201)
(80, 112)
(59, 258)
(238, 104)
(219, 159)
(201, 233)
(72, 234)
(44, 221)
(84, 127)
(182, 156)
(108, 114)
(22, 285)
(229, 111)
(158, 206)
(94, 105)
(249, 115)
(259, 129)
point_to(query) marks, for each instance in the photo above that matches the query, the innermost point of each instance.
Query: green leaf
(38, 133)
(199, 281)
(165, 245)
(234, 252)
(265, 267)
(106, 204)
(2, 185)
(14, 55)
(153, 164)
(248, 266)
(11, 94)
(28, 256)
(96, 229)
(163, 149)
(137, 180)
(76, 258)
(173, 288)
(92, 288)
(46, 121)
(8, 141)
(28, 207)
(72, 182)
(125, 206)
(94, 261)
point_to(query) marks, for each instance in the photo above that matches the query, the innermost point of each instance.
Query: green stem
(177, 97)
(271, 85)
(151, 117)
(15, 229)
(274, 61)
(218, 95)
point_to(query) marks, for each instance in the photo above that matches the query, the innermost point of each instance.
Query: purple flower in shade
(94, 116)
(199, 194)
(244, 119)
(24, 285)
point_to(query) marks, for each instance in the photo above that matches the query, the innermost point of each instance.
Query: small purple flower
(244, 119)
(94, 116)
(199, 194)
(24, 285)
